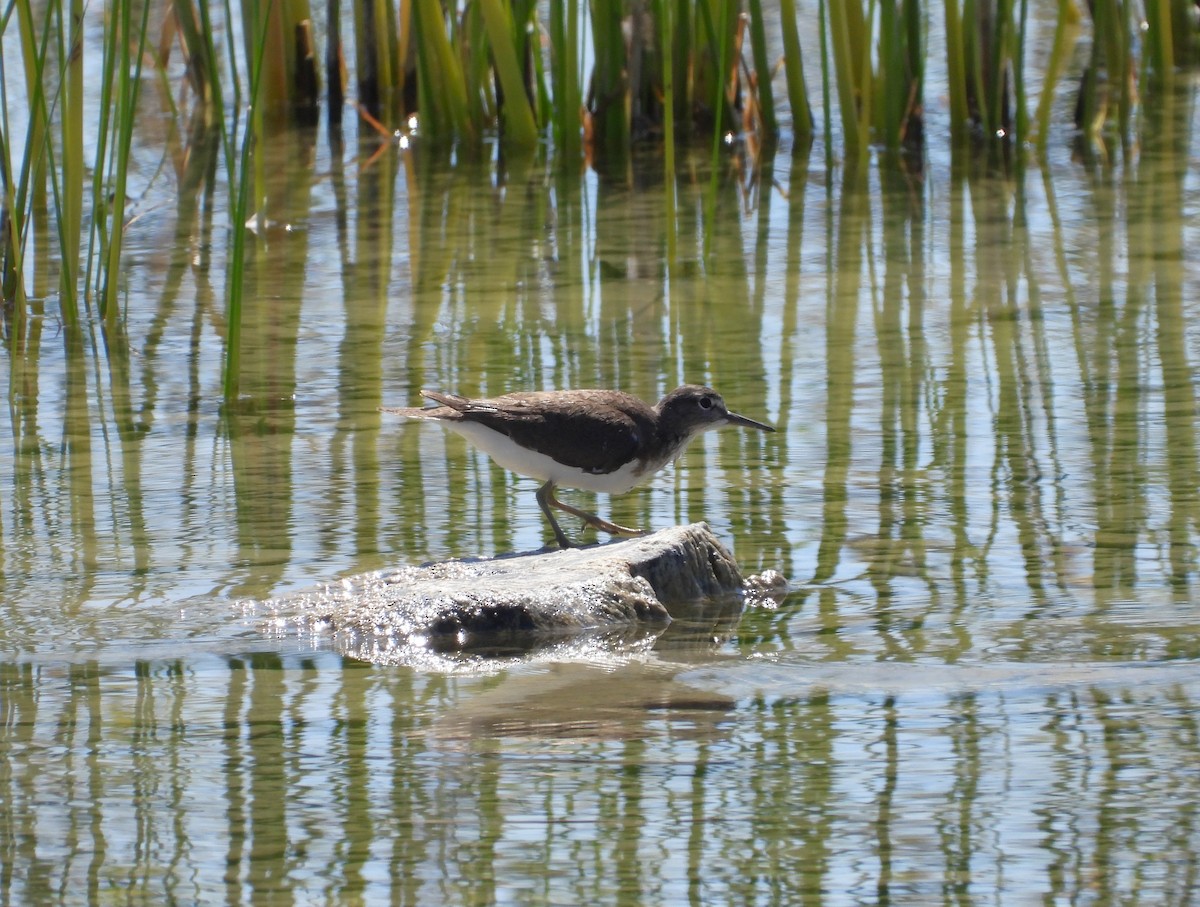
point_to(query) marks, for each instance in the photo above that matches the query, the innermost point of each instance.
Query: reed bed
(589, 82)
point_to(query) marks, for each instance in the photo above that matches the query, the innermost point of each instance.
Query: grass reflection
(254, 774)
(990, 389)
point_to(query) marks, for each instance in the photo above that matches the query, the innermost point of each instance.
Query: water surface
(983, 489)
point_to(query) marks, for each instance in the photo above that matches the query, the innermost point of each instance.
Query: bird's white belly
(512, 456)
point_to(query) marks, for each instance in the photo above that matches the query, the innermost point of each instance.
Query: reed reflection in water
(298, 775)
(984, 487)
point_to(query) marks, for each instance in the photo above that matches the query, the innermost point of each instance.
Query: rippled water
(983, 687)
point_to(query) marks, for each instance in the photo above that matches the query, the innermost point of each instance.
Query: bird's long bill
(735, 419)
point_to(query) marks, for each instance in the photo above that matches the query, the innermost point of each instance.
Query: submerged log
(518, 602)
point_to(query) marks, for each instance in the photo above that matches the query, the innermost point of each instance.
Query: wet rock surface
(518, 603)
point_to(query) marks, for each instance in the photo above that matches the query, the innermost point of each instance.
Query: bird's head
(692, 409)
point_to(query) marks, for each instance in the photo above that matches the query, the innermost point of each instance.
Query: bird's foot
(547, 500)
(611, 528)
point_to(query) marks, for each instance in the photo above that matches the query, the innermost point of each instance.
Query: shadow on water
(984, 487)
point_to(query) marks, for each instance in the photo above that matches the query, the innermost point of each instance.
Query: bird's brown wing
(586, 434)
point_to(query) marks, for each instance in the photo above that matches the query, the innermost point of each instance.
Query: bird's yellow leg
(545, 497)
(590, 519)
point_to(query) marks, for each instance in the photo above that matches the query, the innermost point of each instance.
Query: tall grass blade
(26, 208)
(845, 72)
(609, 94)
(443, 88)
(956, 71)
(1021, 118)
(202, 72)
(793, 68)
(239, 215)
(71, 219)
(666, 19)
(128, 84)
(564, 77)
(725, 11)
(33, 54)
(1160, 43)
(1064, 30)
(826, 93)
(762, 70)
(382, 54)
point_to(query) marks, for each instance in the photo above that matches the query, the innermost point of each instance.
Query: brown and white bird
(596, 440)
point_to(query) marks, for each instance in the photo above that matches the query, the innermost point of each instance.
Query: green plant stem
(128, 85)
(521, 130)
(666, 34)
(956, 70)
(793, 67)
(231, 383)
(71, 221)
(843, 62)
(1059, 58)
(762, 68)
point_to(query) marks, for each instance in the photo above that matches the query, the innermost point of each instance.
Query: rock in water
(519, 602)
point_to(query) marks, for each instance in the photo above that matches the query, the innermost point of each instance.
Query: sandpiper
(597, 440)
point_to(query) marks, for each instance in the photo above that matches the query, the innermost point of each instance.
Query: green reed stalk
(845, 19)
(826, 93)
(291, 75)
(33, 54)
(98, 234)
(900, 77)
(956, 71)
(707, 59)
(71, 209)
(989, 82)
(128, 84)
(866, 85)
(725, 11)
(1007, 55)
(20, 182)
(1109, 77)
(381, 53)
(201, 60)
(443, 87)
(99, 239)
(214, 114)
(11, 290)
(682, 77)
(29, 210)
(793, 67)
(262, 21)
(720, 44)
(891, 87)
(396, 54)
(405, 47)
(666, 20)
(1021, 119)
(1160, 42)
(973, 54)
(610, 91)
(1064, 29)
(242, 186)
(1091, 107)
(842, 77)
(470, 43)
(1118, 43)
(557, 31)
(762, 69)
(564, 76)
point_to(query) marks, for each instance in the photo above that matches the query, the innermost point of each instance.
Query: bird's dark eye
(706, 402)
